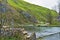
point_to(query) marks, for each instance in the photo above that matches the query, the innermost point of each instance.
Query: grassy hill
(21, 12)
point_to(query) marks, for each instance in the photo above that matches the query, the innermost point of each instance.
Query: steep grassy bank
(21, 12)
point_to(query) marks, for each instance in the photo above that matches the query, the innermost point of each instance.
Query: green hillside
(21, 12)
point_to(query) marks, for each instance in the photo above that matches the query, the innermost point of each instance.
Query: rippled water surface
(47, 33)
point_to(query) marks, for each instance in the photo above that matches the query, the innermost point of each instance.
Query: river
(47, 33)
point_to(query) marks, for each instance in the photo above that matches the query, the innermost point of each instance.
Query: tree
(59, 10)
(49, 17)
(59, 7)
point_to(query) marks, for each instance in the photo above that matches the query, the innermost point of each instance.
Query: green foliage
(17, 7)
(39, 38)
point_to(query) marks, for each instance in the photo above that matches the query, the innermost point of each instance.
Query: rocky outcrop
(19, 33)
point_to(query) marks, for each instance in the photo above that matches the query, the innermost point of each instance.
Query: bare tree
(59, 7)
(59, 10)
(54, 8)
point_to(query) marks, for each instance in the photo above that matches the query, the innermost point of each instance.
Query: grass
(39, 12)
(7, 38)
(35, 12)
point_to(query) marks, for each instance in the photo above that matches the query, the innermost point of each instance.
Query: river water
(47, 33)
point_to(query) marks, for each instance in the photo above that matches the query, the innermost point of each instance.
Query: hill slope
(21, 12)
